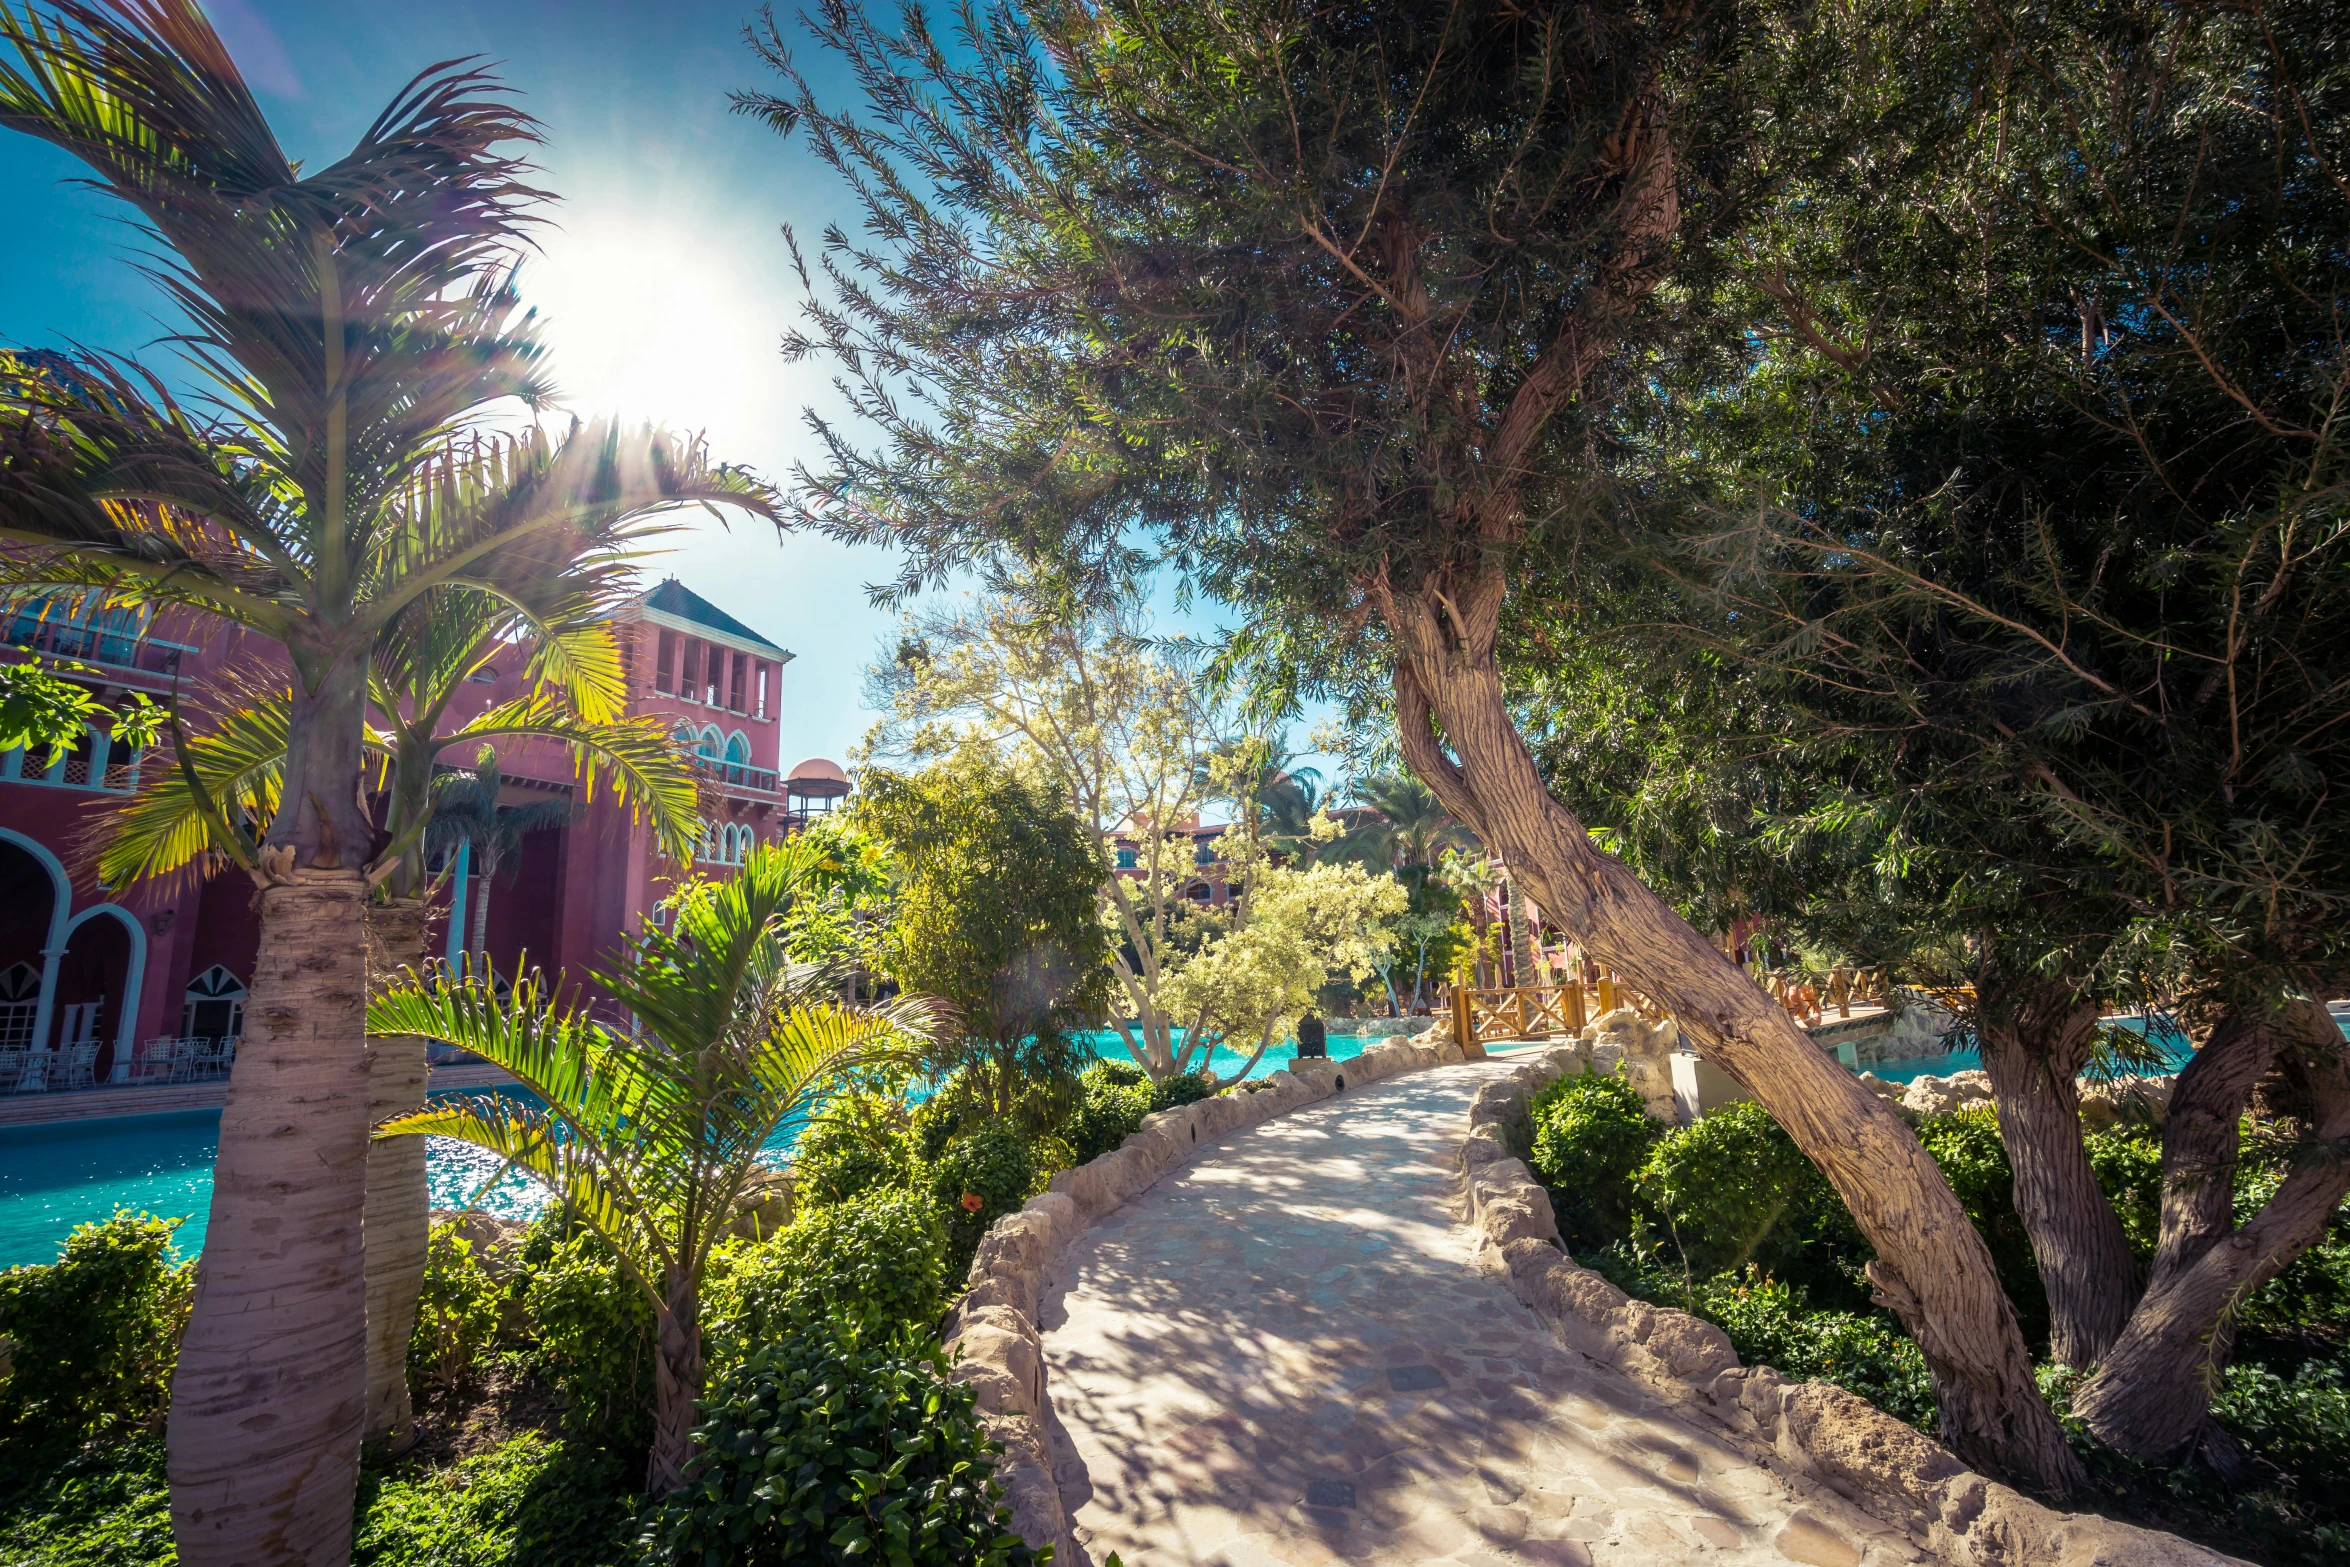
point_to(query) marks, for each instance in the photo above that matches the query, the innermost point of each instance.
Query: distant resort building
(99, 986)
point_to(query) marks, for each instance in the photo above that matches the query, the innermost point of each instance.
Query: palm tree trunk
(396, 1227)
(479, 942)
(677, 1385)
(270, 1390)
(1932, 1268)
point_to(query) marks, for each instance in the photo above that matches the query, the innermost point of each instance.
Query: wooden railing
(1533, 1011)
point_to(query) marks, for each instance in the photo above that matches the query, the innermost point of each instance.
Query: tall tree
(655, 1137)
(995, 916)
(469, 814)
(1121, 728)
(1328, 302)
(347, 320)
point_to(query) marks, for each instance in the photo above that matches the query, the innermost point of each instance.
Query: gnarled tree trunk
(396, 1226)
(2036, 1038)
(2151, 1397)
(1933, 1269)
(677, 1385)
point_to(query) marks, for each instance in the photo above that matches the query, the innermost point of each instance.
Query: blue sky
(664, 277)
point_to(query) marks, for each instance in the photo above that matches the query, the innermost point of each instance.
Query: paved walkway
(1280, 1354)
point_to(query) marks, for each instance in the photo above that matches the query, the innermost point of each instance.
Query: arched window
(738, 748)
(709, 747)
(1199, 892)
(214, 1006)
(20, 1004)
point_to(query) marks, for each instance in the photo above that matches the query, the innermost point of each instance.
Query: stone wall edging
(992, 1332)
(1813, 1430)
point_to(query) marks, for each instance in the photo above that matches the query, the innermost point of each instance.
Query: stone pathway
(1281, 1354)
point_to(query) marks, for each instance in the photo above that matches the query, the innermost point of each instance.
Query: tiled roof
(673, 597)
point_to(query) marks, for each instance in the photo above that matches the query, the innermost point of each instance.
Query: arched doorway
(32, 925)
(95, 998)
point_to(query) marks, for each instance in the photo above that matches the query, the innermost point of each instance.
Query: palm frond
(636, 758)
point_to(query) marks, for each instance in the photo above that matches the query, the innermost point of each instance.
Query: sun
(659, 321)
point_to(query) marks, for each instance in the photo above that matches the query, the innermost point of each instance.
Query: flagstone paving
(1281, 1353)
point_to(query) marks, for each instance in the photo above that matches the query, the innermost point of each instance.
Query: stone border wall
(994, 1326)
(1813, 1430)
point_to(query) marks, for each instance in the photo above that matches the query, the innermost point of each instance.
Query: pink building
(89, 976)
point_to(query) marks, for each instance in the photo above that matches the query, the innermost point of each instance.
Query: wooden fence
(1480, 1016)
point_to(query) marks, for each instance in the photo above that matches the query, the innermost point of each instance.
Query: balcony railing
(91, 642)
(738, 775)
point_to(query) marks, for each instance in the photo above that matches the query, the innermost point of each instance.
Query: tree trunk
(1932, 1268)
(1521, 937)
(479, 943)
(677, 1385)
(2151, 1398)
(269, 1394)
(396, 1226)
(2036, 1038)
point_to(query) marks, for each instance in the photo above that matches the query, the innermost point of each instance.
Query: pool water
(2174, 1052)
(53, 1178)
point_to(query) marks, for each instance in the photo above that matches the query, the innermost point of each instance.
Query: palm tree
(466, 814)
(419, 666)
(348, 322)
(1412, 829)
(654, 1137)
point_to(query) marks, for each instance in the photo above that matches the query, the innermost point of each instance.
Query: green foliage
(1112, 1099)
(996, 915)
(1184, 1088)
(91, 1338)
(1732, 1189)
(828, 1447)
(592, 1329)
(108, 1506)
(1591, 1133)
(980, 1176)
(2128, 1164)
(529, 1502)
(834, 1161)
(46, 715)
(456, 1310)
(872, 1260)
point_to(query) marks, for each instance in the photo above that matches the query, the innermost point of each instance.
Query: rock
(1878, 1086)
(2136, 1101)
(1941, 1095)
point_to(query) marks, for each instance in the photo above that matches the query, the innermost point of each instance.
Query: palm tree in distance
(653, 1138)
(347, 322)
(1411, 830)
(466, 814)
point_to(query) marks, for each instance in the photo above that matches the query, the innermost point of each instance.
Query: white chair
(75, 1065)
(12, 1064)
(152, 1062)
(211, 1059)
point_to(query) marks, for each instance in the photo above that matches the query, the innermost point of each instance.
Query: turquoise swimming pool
(55, 1177)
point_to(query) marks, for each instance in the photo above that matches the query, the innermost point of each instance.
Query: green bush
(1772, 1325)
(873, 1260)
(108, 1506)
(91, 1338)
(2129, 1168)
(1732, 1189)
(827, 1447)
(980, 1176)
(529, 1502)
(1184, 1088)
(457, 1311)
(834, 1162)
(1112, 1099)
(592, 1334)
(1591, 1134)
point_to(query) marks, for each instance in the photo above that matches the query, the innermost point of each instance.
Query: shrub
(1184, 1088)
(834, 1162)
(2129, 1168)
(1717, 1190)
(1113, 1097)
(456, 1311)
(827, 1447)
(873, 1260)
(1590, 1134)
(1772, 1325)
(91, 1338)
(980, 1176)
(593, 1334)
(529, 1502)
(106, 1506)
